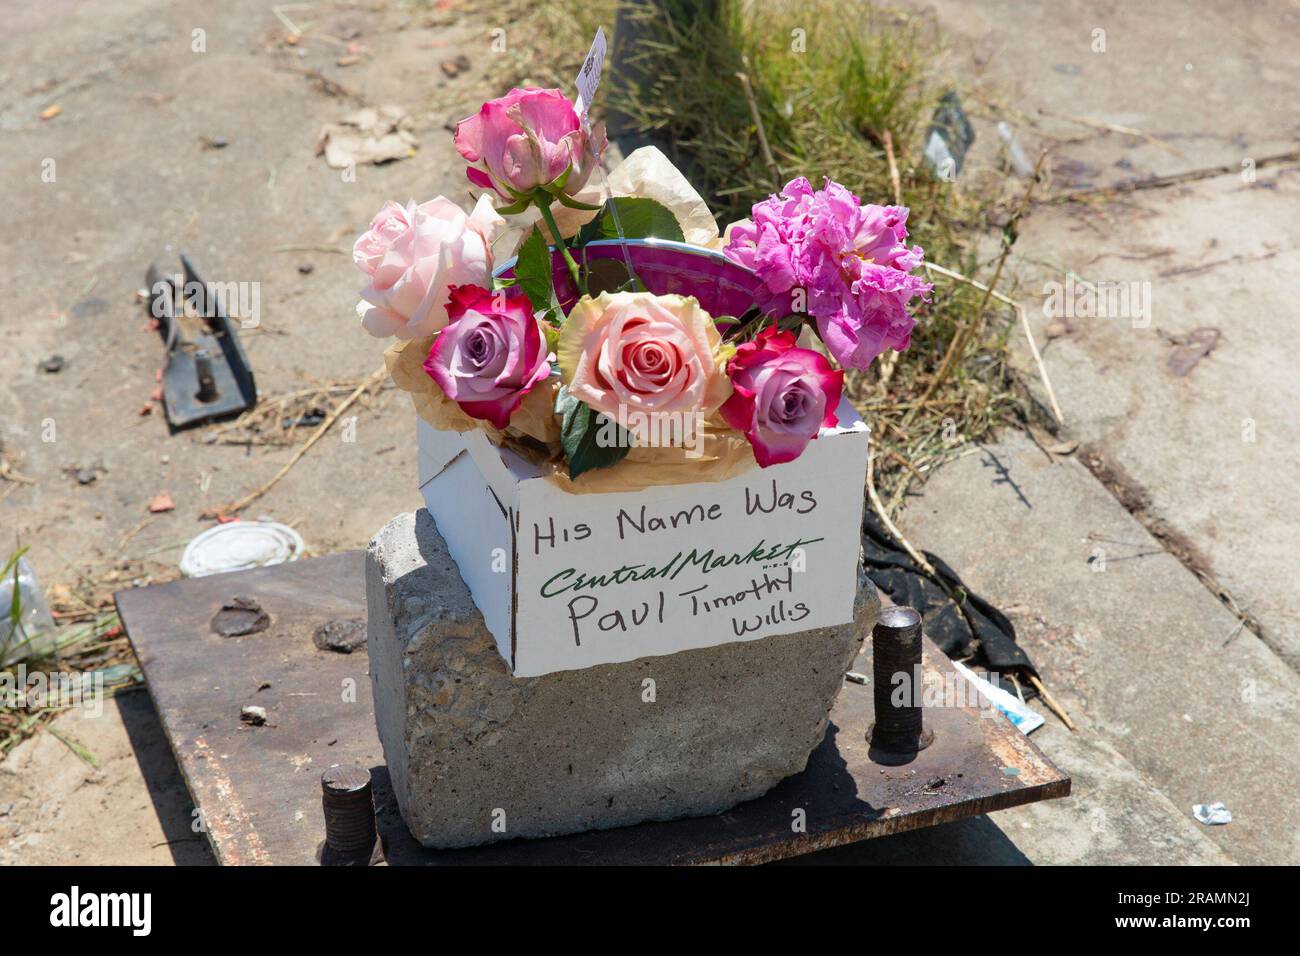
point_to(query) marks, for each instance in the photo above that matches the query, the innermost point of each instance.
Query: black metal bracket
(208, 377)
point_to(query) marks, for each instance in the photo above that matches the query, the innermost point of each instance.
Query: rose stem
(544, 207)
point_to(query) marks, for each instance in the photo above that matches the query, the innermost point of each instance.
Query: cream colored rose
(632, 355)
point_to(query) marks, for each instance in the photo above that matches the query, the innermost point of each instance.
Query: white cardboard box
(567, 581)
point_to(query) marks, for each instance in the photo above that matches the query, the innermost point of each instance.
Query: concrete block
(476, 755)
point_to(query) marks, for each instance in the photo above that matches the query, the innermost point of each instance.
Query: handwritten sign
(589, 76)
(614, 577)
(568, 581)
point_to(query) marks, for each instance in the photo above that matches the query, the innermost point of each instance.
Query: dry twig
(894, 180)
(321, 429)
(8, 474)
(758, 126)
(1050, 701)
(1024, 321)
(889, 525)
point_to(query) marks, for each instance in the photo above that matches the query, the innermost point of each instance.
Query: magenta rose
(490, 355)
(526, 140)
(782, 395)
(851, 260)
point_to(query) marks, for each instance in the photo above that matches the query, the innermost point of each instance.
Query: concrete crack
(1136, 500)
(1161, 182)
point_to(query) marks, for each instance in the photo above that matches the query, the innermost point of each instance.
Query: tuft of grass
(96, 643)
(832, 82)
(93, 645)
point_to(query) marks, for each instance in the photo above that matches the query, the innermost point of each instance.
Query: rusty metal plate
(258, 787)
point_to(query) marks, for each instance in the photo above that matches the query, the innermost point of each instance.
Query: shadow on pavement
(974, 842)
(162, 776)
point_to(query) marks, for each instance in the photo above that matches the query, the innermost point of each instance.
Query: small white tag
(589, 76)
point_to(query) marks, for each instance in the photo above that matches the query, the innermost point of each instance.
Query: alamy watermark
(74, 908)
(208, 299)
(38, 690)
(951, 689)
(1078, 299)
(634, 428)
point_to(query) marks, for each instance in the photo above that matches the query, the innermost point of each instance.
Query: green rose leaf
(641, 218)
(533, 270)
(590, 439)
(572, 203)
(514, 208)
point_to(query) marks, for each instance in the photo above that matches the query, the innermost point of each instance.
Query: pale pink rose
(413, 255)
(643, 353)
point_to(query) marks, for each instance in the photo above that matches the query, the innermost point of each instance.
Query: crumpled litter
(1216, 814)
(369, 135)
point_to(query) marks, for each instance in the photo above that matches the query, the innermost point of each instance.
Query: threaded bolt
(895, 649)
(207, 385)
(349, 811)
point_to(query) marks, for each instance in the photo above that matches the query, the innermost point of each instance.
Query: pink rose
(413, 255)
(527, 140)
(852, 260)
(782, 395)
(644, 355)
(490, 355)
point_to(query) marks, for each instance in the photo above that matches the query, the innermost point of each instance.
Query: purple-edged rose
(782, 395)
(490, 355)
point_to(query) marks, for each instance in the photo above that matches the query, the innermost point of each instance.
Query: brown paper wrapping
(725, 454)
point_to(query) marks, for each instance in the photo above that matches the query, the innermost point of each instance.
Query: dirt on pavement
(131, 130)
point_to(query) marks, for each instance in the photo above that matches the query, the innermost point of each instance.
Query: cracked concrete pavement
(1184, 384)
(1182, 393)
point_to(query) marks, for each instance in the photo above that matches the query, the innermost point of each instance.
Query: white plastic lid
(238, 546)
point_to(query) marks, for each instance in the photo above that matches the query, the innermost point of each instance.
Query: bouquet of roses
(579, 356)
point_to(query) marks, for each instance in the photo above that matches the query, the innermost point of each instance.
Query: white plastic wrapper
(1213, 815)
(647, 173)
(1026, 720)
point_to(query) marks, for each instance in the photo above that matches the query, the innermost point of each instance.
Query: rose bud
(529, 139)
